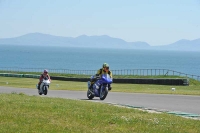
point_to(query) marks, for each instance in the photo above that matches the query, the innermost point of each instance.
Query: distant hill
(80, 41)
(39, 39)
(182, 45)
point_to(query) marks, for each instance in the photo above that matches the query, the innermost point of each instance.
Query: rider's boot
(109, 87)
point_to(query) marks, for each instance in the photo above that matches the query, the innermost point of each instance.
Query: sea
(54, 57)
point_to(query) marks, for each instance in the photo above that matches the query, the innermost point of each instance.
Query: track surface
(182, 103)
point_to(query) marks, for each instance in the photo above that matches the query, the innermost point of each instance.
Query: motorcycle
(100, 87)
(44, 86)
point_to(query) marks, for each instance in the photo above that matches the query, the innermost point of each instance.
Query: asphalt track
(179, 103)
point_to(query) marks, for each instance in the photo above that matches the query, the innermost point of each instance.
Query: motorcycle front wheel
(45, 90)
(103, 93)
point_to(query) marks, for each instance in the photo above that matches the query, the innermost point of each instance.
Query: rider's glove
(97, 76)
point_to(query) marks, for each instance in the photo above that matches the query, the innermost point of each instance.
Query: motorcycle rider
(44, 75)
(103, 70)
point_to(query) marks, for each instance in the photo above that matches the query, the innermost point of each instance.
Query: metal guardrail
(19, 75)
(159, 81)
(138, 72)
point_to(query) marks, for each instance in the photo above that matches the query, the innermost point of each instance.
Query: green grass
(22, 113)
(82, 86)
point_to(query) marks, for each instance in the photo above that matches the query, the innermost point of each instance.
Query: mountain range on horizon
(96, 42)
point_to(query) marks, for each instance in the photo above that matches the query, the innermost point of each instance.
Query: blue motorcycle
(100, 87)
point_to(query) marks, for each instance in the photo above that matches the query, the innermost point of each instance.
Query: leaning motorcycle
(44, 86)
(100, 87)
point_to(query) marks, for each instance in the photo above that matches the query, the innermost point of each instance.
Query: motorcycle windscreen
(106, 78)
(46, 81)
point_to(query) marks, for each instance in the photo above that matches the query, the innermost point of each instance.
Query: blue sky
(157, 22)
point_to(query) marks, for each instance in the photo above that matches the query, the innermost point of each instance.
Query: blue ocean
(12, 56)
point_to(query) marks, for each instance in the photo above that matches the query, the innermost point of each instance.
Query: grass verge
(22, 113)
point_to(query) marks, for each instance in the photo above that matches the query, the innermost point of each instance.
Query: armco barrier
(19, 75)
(31, 76)
(70, 79)
(11, 75)
(160, 81)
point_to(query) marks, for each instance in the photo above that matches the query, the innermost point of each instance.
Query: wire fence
(134, 72)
